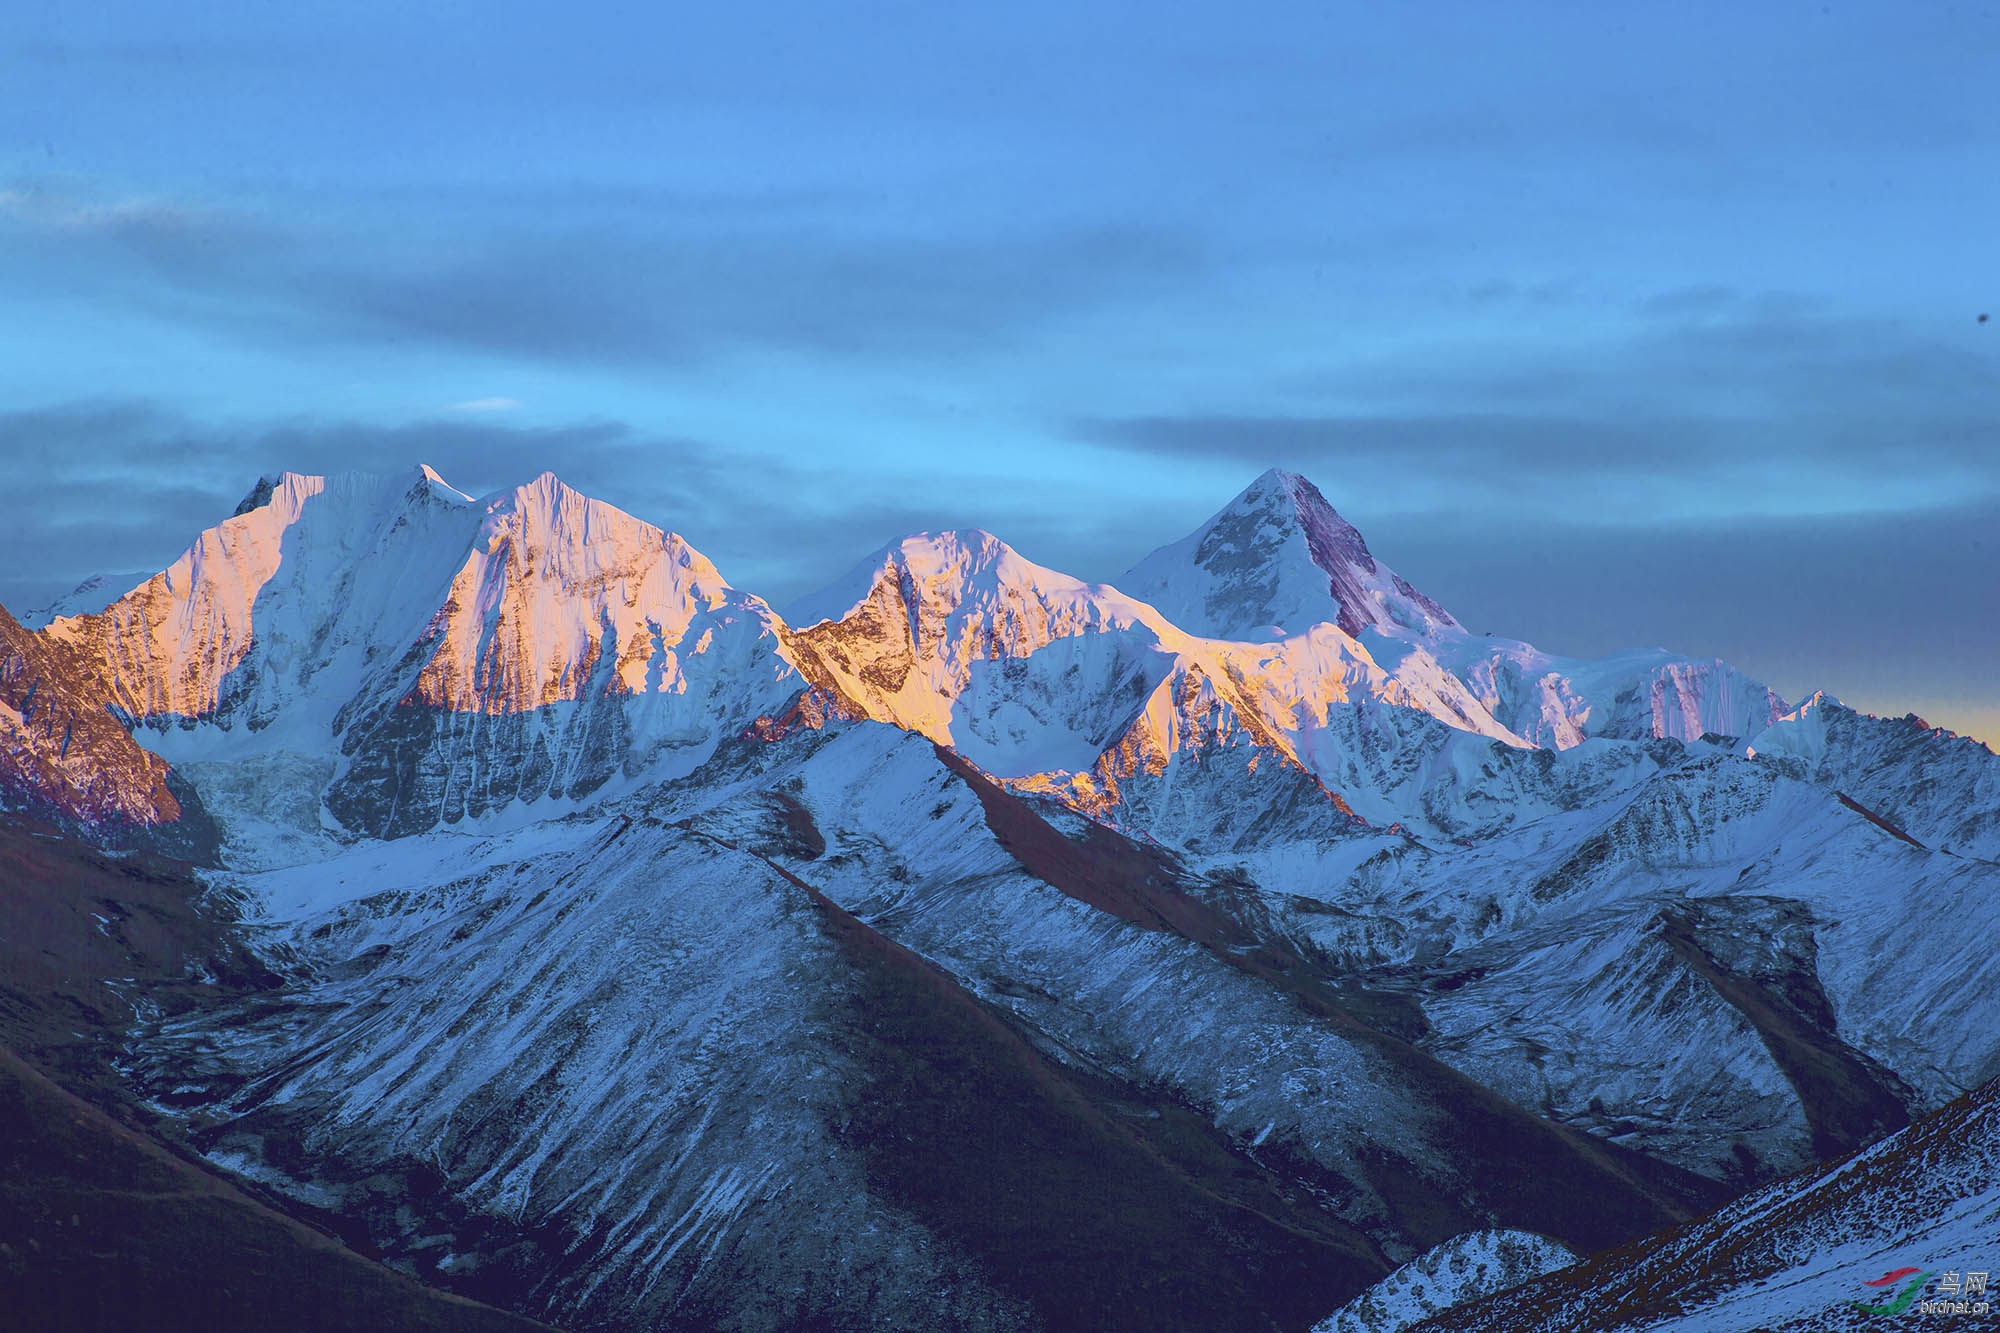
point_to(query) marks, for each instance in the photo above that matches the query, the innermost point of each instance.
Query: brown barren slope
(1528, 1172)
(101, 1225)
(101, 1228)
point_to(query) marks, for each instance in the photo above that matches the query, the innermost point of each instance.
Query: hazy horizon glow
(1606, 325)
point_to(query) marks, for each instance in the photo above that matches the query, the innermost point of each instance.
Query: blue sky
(1609, 324)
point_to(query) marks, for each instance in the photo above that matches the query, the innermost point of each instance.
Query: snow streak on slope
(1089, 945)
(622, 1040)
(602, 1058)
(1717, 887)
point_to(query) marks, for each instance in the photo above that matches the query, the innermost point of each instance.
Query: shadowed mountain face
(975, 945)
(101, 1225)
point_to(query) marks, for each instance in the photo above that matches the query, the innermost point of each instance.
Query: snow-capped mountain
(1060, 685)
(86, 598)
(663, 1128)
(958, 638)
(379, 655)
(1940, 789)
(1278, 559)
(977, 944)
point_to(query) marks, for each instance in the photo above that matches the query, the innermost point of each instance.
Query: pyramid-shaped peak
(544, 491)
(1333, 541)
(1273, 562)
(547, 502)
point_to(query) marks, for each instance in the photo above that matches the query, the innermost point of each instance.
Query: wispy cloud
(626, 287)
(487, 405)
(1699, 403)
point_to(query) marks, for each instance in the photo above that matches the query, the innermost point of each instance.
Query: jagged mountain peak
(322, 588)
(569, 538)
(917, 635)
(289, 491)
(546, 493)
(1275, 561)
(1924, 783)
(967, 553)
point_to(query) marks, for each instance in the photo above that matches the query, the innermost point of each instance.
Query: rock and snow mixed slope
(1882, 1234)
(1462, 1269)
(650, 957)
(632, 1067)
(1940, 789)
(65, 758)
(1276, 561)
(1040, 678)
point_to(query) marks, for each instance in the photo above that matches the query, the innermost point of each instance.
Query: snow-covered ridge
(1079, 689)
(304, 652)
(1464, 1268)
(1827, 1250)
(87, 598)
(1939, 788)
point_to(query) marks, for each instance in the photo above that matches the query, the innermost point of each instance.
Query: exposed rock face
(66, 759)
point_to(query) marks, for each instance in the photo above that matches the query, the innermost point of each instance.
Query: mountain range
(969, 944)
